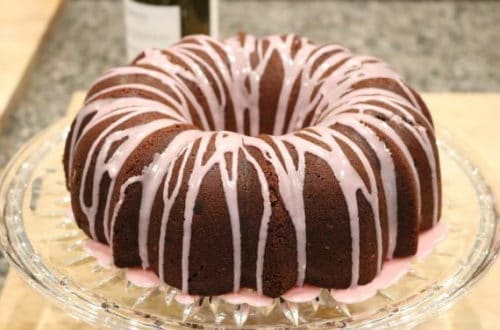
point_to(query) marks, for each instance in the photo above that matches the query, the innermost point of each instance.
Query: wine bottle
(159, 23)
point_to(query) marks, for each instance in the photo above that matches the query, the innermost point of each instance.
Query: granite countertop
(436, 46)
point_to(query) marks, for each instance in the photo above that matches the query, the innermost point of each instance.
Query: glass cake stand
(43, 244)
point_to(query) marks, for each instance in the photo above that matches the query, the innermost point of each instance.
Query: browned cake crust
(259, 163)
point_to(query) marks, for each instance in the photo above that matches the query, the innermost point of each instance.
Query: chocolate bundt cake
(261, 163)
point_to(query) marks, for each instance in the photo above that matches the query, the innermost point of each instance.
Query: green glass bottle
(159, 23)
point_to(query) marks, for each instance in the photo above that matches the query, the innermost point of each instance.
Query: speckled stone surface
(4, 267)
(436, 46)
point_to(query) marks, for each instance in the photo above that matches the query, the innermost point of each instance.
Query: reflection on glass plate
(42, 242)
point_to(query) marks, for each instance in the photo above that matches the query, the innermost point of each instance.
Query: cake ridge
(202, 96)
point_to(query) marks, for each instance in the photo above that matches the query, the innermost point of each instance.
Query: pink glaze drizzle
(247, 296)
(327, 96)
(185, 299)
(101, 252)
(142, 278)
(391, 272)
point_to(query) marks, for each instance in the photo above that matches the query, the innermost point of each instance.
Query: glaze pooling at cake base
(391, 272)
(246, 163)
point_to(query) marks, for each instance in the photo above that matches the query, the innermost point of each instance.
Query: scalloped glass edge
(431, 302)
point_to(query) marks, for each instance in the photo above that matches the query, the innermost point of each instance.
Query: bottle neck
(160, 23)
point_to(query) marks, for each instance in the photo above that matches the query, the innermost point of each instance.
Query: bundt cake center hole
(266, 120)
